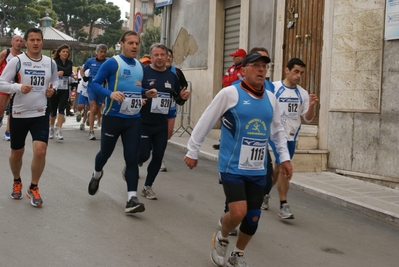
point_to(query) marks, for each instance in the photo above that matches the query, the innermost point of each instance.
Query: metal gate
(231, 34)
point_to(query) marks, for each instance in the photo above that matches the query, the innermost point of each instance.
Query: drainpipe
(168, 19)
(273, 37)
(163, 26)
(165, 29)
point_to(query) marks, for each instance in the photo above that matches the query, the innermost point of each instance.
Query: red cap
(239, 53)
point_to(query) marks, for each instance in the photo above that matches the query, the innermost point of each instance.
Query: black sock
(32, 186)
(17, 181)
(282, 202)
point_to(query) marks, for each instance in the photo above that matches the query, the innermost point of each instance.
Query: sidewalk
(374, 200)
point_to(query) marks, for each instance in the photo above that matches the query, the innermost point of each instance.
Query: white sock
(96, 175)
(221, 237)
(237, 250)
(131, 194)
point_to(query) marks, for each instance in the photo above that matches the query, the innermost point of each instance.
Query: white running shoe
(236, 259)
(163, 167)
(51, 134)
(148, 192)
(285, 212)
(58, 135)
(92, 136)
(265, 203)
(218, 253)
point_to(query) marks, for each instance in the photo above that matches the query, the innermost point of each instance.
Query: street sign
(138, 22)
(160, 3)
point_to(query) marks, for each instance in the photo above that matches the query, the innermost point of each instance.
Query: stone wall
(357, 61)
(363, 118)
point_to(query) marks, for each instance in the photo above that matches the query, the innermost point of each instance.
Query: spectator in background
(146, 60)
(233, 73)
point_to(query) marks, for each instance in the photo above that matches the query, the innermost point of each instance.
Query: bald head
(16, 43)
(15, 37)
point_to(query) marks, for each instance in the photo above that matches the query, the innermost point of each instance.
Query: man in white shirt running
(294, 102)
(250, 117)
(31, 77)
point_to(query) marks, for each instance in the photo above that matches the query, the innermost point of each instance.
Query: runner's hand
(118, 96)
(26, 88)
(151, 93)
(184, 93)
(191, 163)
(50, 91)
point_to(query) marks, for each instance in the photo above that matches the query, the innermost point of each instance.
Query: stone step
(308, 138)
(309, 160)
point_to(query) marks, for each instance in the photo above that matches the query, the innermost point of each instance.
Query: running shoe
(88, 116)
(34, 196)
(133, 206)
(1, 122)
(236, 259)
(92, 136)
(99, 124)
(265, 203)
(233, 232)
(148, 192)
(82, 126)
(216, 146)
(94, 184)
(78, 116)
(58, 135)
(6, 136)
(285, 212)
(51, 134)
(163, 167)
(219, 249)
(16, 191)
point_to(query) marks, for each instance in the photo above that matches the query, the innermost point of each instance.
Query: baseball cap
(145, 60)
(239, 53)
(252, 57)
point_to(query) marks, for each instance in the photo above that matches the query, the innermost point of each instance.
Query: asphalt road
(76, 229)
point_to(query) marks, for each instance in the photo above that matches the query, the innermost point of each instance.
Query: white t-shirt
(39, 73)
(293, 103)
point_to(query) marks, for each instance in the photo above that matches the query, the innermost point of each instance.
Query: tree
(21, 15)
(151, 34)
(76, 14)
(102, 15)
(71, 14)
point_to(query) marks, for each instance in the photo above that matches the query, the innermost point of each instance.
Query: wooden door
(303, 38)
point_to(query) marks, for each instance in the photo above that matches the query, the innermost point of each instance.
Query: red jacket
(232, 74)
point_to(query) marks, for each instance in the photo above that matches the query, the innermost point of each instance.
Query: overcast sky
(124, 6)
